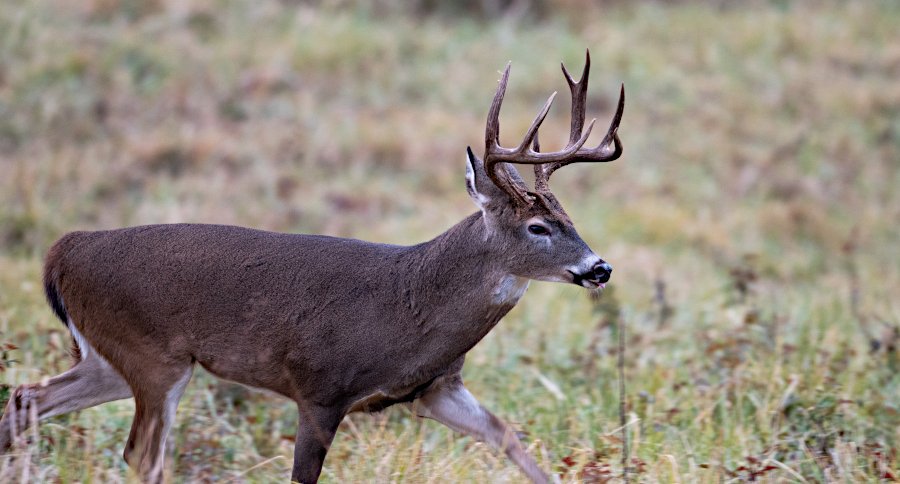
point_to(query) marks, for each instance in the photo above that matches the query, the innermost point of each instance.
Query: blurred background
(754, 219)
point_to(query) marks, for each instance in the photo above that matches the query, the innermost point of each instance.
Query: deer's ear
(477, 182)
(484, 193)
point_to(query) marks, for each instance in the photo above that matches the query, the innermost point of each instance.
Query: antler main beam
(609, 148)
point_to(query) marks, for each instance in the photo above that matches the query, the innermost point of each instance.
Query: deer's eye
(538, 229)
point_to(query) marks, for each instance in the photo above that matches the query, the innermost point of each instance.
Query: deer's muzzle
(598, 275)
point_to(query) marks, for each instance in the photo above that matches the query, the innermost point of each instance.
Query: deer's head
(537, 236)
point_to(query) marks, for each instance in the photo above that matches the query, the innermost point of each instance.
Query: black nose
(602, 271)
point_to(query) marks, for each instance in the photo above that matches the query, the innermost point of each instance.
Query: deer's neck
(460, 279)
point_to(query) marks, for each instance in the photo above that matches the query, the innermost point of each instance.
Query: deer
(337, 325)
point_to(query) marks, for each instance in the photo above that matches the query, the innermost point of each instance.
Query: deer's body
(233, 296)
(336, 325)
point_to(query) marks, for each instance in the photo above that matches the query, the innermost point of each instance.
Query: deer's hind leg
(90, 382)
(157, 391)
(450, 403)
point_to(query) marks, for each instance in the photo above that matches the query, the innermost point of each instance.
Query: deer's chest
(508, 290)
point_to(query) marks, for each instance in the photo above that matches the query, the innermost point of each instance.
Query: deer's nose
(602, 271)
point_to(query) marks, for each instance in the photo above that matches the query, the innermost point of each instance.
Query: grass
(753, 220)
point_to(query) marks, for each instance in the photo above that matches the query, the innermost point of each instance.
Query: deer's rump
(252, 306)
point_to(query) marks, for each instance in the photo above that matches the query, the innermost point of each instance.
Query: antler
(547, 163)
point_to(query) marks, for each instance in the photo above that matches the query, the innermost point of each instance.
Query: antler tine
(579, 96)
(492, 145)
(492, 130)
(531, 134)
(612, 132)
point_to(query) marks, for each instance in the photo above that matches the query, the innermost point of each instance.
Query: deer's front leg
(450, 403)
(314, 435)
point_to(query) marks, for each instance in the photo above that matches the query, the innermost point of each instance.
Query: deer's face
(538, 241)
(552, 250)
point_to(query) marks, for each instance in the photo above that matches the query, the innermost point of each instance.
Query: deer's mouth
(594, 284)
(589, 280)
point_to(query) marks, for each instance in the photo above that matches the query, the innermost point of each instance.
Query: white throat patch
(509, 290)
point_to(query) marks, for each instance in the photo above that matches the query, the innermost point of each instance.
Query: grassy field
(754, 220)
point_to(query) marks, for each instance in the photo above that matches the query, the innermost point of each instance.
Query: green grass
(758, 188)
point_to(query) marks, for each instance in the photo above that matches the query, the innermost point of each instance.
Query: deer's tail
(52, 270)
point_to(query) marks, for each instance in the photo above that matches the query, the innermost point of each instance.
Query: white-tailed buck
(336, 325)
